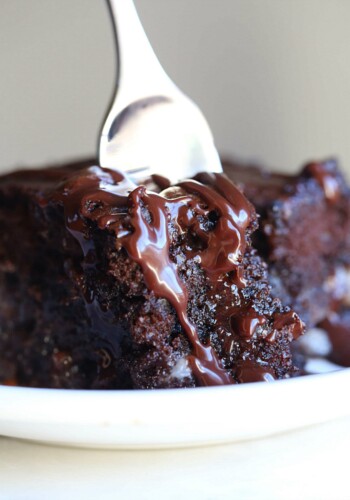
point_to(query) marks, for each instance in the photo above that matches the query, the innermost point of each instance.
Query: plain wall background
(272, 76)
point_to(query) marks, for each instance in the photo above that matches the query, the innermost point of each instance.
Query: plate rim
(129, 419)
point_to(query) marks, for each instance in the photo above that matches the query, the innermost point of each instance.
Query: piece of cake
(106, 284)
(304, 235)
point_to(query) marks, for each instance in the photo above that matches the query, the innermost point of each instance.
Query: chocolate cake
(304, 236)
(109, 285)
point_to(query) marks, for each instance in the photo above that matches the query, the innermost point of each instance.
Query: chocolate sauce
(250, 371)
(147, 243)
(225, 244)
(289, 318)
(140, 220)
(245, 325)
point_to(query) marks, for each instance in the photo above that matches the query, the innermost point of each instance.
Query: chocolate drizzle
(291, 319)
(246, 324)
(250, 371)
(141, 221)
(148, 245)
(225, 244)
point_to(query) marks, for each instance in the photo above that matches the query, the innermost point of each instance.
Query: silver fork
(151, 126)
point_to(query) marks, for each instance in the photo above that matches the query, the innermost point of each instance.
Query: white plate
(175, 417)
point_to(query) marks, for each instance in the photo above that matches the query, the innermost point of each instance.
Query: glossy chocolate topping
(140, 220)
(250, 371)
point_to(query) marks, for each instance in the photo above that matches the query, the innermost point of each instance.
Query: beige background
(272, 76)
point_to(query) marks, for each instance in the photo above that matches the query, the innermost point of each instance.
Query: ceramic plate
(172, 417)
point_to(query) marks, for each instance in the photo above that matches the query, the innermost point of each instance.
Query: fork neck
(138, 67)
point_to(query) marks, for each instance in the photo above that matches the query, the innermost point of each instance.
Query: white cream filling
(181, 370)
(339, 285)
(315, 343)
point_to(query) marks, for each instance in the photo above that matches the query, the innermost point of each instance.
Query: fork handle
(138, 66)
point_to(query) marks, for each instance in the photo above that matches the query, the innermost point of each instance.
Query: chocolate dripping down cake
(109, 285)
(304, 236)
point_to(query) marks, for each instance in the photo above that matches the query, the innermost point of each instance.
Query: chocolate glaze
(246, 324)
(146, 243)
(289, 318)
(250, 371)
(225, 245)
(140, 220)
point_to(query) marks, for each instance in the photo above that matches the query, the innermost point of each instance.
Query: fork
(151, 126)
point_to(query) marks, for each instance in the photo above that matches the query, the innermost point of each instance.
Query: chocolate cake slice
(106, 284)
(304, 235)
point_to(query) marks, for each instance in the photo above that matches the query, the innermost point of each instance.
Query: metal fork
(151, 126)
